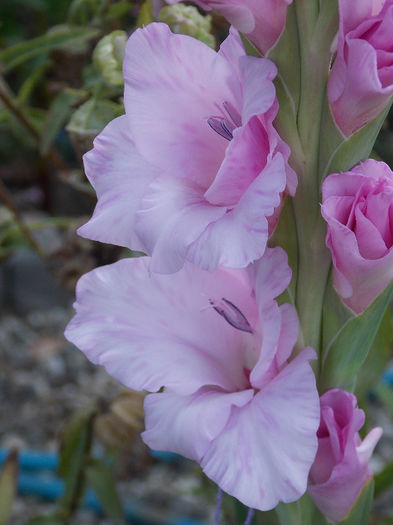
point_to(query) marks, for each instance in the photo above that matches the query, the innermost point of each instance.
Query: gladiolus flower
(221, 347)
(195, 168)
(341, 466)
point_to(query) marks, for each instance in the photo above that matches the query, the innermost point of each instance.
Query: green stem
(316, 31)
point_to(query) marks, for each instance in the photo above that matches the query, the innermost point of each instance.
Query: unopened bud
(188, 21)
(108, 57)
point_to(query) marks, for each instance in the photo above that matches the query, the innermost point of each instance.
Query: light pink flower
(261, 20)
(341, 467)
(361, 81)
(220, 345)
(195, 167)
(358, 208)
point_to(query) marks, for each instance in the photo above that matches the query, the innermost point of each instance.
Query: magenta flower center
(225, 124)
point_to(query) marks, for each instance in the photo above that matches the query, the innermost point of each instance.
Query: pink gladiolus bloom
(361, 81)
(358, 208)
(341, 466)
(262, 21)
(220, 345)
(195, 167)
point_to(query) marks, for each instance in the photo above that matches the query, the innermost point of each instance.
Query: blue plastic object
(37, 478)
(33, 460)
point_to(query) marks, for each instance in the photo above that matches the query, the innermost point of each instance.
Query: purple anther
(227, 127)
(217, 125)
(233, 113)
(231, 314)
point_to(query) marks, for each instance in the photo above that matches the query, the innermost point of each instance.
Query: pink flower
(195, 167)
(341, 467)
(358, 208)
(361, 80)
(221, 346)
(261, 20)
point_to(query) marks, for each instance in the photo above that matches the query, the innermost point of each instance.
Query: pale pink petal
(120, 177)
(370, 242)
(259, 93)
(187, 425)
(362, 96)
(244, 160)
(272, 276)
(240, 236)
(343, 184)
(172, 216)
(289, 333)
(366, 448)
(150, 331)
(353, 13)
(173, 85)
(265, 452)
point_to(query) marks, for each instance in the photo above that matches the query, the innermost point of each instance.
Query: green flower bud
(108, 57)
(188, 21)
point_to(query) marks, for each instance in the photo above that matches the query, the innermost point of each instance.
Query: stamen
(221, 127)
(227, 127)
(233, 113)
(231, 314)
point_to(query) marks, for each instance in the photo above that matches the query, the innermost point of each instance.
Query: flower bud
(188, 21)
(341, 467)
(108, 57)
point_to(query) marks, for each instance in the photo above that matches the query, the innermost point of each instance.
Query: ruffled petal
(240, 236)
(173, 84)
(244, 160)
(120, 177)
(265, 452)
(150, 331)
(187, 425)
(172, 216)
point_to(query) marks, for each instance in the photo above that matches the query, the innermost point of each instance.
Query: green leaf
(301, 512)
(377, 360)
(74, 456)
(383, 480)
(19, 53)
(118, 10)
(30, 83)
(8, 481)
(145, 15)
(360, 512)
(339, 153)
(288, 63)
(351, 345)
(82, 12)
(100, 477)
(57, 115)
(285, 235)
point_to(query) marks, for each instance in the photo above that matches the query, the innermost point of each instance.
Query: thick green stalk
(316, 31)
